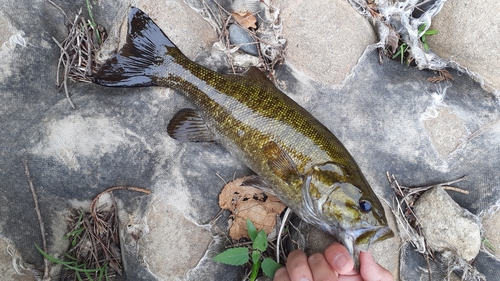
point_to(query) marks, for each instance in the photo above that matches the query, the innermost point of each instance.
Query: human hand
(335, 264)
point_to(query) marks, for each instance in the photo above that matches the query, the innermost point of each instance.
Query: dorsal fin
(255, 74)
(188, 125)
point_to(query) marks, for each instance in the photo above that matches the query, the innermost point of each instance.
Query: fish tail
(144, 57)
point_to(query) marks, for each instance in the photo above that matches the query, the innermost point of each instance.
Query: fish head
(342, 203)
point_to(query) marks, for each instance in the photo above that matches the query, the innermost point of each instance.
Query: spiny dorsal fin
(137, 62)
(280, 162)
(188, 125)
(255, 74)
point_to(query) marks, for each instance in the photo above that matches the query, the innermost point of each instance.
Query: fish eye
(365, 205)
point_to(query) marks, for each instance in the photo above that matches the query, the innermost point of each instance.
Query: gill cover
(320, 183)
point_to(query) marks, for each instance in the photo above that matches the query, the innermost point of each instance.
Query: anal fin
(188, 125)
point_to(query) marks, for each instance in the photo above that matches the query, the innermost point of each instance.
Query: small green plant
(242, 255)
(401, 51)
(428, 32)
(403, 48)
(72, 264)
(488, 245)
(92, 22)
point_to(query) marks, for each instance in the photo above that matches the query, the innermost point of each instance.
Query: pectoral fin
(188, 125)
(258, 182)
(280, 162)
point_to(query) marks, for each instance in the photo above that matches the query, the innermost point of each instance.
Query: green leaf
(234, 256)
(431, 32)
(71, 257)
(252, 231)
(78, 230)
(402, 55)
(260, 242)
(255, 256)
(421, 27)
(102, 271)
(93, 22)
(396, 54)
(75, 235)
(269, 267)
(487, 243)
(88, 275)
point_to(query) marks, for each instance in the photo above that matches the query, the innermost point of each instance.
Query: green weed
(242, 255)
(73, 265)
(424, 35)
(488, 245)
(92, 22)
(403, 47)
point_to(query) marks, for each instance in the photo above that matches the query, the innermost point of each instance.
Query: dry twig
(444, 75)
(78, 52)
(266, 63)
(94, 236)
(39, 216)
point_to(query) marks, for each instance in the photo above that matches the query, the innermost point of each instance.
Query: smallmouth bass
(293, 154)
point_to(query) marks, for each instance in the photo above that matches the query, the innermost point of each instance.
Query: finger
(297, 266)
(371, 270)
(281, 275)
(339, 258)
(320, 268)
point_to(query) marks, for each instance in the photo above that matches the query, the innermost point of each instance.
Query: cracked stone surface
(387, 115)
(490, 223)
(328, 48)
(467, 36)
(446, 131)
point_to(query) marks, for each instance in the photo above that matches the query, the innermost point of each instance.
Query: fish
(293, 155)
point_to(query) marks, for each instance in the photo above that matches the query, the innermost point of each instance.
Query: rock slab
(446, 226)
(468, 35)
(325, 38)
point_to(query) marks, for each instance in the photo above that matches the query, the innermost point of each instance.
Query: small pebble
(239, 36)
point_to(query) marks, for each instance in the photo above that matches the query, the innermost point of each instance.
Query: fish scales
(294, 155)
(250, 115)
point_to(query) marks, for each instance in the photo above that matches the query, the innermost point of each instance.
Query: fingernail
(341, 261)
(304, 279)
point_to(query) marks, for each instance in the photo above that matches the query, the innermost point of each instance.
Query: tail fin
(137, 63)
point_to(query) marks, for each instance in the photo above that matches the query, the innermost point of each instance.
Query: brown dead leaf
(246, 202)
(246, 19)
(392, 40)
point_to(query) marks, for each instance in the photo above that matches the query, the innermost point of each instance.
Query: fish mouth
(382, 234)
(369, 236)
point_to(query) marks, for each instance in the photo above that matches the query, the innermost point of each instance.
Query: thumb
(371, 270)
(339, 259)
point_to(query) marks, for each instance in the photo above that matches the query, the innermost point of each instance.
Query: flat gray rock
(387, 115)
